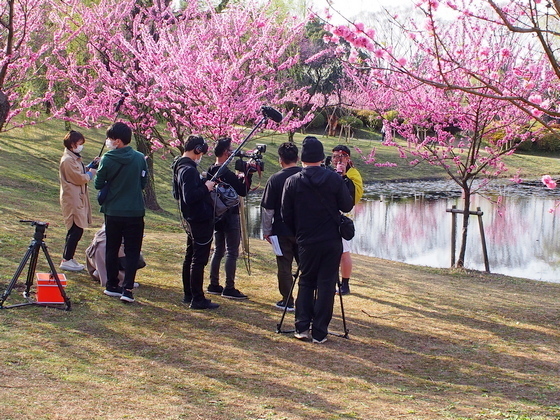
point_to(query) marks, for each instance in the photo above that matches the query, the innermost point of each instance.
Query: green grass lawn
(424, 343)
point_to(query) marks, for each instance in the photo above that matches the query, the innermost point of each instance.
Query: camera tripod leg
(32, 250)
(32, 267)
(345, 329)
(279, 325)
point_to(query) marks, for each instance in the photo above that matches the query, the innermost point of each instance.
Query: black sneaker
(281, 305)
(215, 289)
(344, 289)
(127, 296)
(113, 291)
(204, 304)
(233, 293)
(187, 299)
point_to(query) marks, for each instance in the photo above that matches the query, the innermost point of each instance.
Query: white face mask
(110, 145)
(78, 149)
(197, 161)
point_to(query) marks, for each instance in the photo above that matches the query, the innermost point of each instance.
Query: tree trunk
(4, 109)
(291, 136)
(150, 198)
(464, 232)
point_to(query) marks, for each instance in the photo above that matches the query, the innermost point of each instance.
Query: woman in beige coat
(74, 197)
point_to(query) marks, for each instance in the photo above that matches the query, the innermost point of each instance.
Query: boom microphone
(271, 113)
(121, 101)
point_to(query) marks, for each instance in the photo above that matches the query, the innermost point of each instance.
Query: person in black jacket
(193, 193)
(311, 205)
(227, 230)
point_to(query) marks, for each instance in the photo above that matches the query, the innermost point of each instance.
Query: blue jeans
(227, 237)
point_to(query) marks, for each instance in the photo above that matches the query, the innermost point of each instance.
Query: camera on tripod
(255, 162)
(40, 228)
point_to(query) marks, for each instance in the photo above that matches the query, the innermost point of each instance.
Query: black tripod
(32, 255)
(279, 325)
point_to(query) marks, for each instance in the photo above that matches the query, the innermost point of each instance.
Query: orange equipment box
(47, 289)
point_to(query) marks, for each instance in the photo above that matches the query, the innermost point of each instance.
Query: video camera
(255, 162)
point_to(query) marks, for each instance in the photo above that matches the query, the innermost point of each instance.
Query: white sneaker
(304, 335)
(71, 265)
(324, 340)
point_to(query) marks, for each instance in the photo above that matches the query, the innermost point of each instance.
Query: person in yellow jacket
(74, 197)
(342, 164)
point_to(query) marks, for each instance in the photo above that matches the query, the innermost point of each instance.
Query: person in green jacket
(127, 172)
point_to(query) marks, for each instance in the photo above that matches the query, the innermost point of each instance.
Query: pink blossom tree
(197, 71)
(23, 57)
(200, 71)
(450, 95)
(446, 31)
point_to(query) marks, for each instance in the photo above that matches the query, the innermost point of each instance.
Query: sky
(354, 8)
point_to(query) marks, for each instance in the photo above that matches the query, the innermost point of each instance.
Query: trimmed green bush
(353, 122)
(369, 118)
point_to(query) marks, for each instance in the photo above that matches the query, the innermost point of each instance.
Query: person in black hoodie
(193, 193)
(227, 230)
(311, 204)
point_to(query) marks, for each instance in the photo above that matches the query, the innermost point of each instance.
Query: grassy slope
(425, 343)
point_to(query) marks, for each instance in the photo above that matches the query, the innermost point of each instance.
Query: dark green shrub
(318, 121)
(525, 146)
(549, 142)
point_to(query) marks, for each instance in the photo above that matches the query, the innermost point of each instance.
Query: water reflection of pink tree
(551, 184)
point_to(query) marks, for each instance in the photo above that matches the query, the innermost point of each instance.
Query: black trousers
(284, 263)
(197, 254)
(318, 265)
(72, 238)
(130, 231)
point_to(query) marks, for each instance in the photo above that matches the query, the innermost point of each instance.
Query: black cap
(312, 150)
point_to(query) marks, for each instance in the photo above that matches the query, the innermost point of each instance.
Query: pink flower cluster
(358, 38)
(549, 182)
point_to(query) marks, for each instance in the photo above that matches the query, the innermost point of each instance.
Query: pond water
(408, 222)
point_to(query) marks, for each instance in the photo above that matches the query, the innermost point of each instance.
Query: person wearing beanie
(311, 200)
(353, 180)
